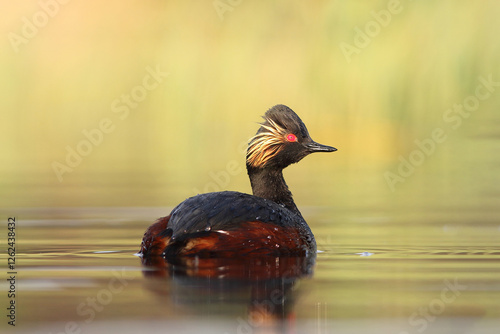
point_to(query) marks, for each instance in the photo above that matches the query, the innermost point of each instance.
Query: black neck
(269, 183)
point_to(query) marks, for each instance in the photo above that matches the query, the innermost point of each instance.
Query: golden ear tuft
(266, 144)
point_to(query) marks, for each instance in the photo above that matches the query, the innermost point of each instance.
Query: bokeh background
(227, 63)
(372, 78)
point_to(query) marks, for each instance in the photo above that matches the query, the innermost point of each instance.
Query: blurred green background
(227, 63)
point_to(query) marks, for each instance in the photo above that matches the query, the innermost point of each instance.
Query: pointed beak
(315, 147)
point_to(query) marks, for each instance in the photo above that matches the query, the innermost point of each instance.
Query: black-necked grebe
(232, 224)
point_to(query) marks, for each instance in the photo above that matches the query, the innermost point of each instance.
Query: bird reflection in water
(267, 286)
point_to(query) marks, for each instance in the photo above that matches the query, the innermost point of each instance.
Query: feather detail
(266, 144)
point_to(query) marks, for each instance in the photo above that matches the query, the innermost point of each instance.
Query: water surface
(395, 272)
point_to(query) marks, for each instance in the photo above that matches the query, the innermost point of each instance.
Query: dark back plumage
(225, 211)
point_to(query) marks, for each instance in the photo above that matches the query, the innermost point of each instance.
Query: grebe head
(282, 140)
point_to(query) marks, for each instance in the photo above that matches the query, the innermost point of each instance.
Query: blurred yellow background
(176, 88)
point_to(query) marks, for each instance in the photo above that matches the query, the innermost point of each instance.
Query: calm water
(383, 273)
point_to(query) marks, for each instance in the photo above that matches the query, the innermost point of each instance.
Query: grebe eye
(291, 137)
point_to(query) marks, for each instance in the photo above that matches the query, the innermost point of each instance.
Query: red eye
(291, 137)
